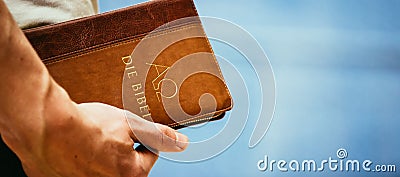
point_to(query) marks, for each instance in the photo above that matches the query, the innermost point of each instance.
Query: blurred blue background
(337, 71)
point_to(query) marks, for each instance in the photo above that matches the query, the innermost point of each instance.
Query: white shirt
(32, 13)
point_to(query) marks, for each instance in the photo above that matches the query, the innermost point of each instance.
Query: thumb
(156, 136)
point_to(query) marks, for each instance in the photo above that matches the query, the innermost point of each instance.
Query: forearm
(55, 137)
(27, 91)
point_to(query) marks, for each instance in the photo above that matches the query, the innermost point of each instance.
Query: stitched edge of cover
(115, 43)
(197, 118)
(174, 125)
(215, 59)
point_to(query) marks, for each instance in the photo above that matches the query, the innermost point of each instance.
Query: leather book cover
(152, 59)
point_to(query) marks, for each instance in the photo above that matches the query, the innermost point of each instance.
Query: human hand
(100, 143)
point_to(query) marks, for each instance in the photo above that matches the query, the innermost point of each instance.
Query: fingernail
(181, 140)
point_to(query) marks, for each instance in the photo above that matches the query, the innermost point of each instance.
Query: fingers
(156, 136)
(147, 157)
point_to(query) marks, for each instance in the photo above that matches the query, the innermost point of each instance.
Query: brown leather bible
(152, 59)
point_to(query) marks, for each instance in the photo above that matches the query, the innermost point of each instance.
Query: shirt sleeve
(33, 13)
